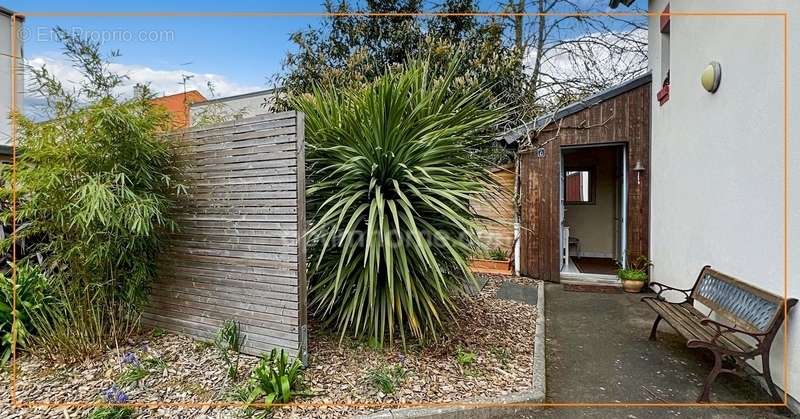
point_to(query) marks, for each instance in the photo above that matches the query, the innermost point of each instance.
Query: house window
(579, 186)
(663, 94)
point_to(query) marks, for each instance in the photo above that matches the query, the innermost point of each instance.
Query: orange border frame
(151, 405)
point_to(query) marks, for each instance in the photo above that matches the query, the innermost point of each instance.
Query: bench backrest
(746, 306)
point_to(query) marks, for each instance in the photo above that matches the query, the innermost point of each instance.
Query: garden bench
(747, 320)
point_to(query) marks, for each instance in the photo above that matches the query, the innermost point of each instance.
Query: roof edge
(10, 13)
(615, 3)
(239, 96)
(513, 135)
(181, 94)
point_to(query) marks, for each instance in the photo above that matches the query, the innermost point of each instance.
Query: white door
(623, 207)
(562, 240)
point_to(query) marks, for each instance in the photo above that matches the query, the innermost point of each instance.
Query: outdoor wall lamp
(638, 168)
(711, 76)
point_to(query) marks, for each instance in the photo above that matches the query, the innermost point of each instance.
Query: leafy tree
(353, 50)
(391, 176)
(562, 51)
(95, 187)
(573, 50)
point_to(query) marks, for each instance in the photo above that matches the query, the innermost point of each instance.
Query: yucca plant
(391, 173)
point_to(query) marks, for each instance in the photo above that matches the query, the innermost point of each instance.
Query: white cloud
(593, 61)
(161, 81)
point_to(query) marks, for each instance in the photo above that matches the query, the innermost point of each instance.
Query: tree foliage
(559, 52)
(391, 176)
(353, 50)
(95, 187)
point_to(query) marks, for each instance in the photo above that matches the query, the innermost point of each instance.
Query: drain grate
(515, 292)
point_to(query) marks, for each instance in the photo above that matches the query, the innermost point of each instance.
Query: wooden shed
(584, 184)
(496, 231)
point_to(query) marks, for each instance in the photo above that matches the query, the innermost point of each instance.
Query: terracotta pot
(487, 266)
(632, 286)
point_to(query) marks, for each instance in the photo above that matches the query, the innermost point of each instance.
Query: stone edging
(488, 407)
(539, 361)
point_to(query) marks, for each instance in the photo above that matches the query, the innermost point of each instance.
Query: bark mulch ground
(487, 352)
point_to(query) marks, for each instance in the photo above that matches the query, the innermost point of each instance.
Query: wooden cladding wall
(622, 119)
(239, 253)
(498, 229)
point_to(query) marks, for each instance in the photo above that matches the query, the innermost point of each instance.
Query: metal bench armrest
(722, 329)
(687, 293)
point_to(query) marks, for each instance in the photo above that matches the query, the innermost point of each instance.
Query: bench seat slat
(685, 319)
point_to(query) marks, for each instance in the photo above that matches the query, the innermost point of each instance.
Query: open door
(539, 233)
(563, 241)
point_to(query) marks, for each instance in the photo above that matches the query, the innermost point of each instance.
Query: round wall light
(711, 76)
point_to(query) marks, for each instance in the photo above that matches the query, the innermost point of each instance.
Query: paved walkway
(598, 352)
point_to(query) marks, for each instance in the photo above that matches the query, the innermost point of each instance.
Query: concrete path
(598, 352)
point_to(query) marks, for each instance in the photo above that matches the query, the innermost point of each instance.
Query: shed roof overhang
(515, 134)
(10, 13)
(615, 3)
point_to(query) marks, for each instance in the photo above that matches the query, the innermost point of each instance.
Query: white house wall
(6, 96)
(718, 159)
(242, 106)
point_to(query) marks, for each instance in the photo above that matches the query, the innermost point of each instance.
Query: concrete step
(591, 284)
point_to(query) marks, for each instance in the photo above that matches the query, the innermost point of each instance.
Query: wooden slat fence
(239, 253)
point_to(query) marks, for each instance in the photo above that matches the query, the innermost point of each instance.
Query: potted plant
(494, 261)
(634, 275)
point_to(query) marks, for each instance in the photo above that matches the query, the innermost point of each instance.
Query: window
(663, 94)
(579, 186)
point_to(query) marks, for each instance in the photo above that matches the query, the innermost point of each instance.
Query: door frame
(621, 198)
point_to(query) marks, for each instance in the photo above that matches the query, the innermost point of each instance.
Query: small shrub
(387, 379)
(133, 374)
(112, 395)
(501, 355)
(229, 339)
(374, 344)
(636, 269)
(111, 412)
(229, 336)
(154, 364)
(465, 358)
(158, 332)
(632, 275)
(497, 254)
(31, 291)
(137, 370)
(202, 345)
(274, 379)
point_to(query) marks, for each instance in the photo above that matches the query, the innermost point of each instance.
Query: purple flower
(130, 359)
(115, 395)
(122, 397)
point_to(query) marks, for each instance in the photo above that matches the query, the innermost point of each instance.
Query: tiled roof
(178, 106)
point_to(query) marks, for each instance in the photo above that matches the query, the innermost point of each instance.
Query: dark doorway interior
(590, 265)
(592, 220)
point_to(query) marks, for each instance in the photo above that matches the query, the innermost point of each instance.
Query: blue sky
(243, 50)
(238, 53)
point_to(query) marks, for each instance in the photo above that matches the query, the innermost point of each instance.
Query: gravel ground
(498, 333)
